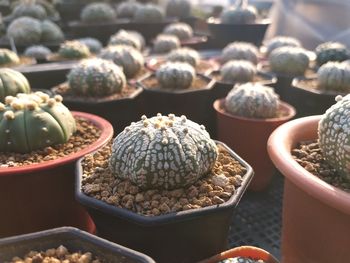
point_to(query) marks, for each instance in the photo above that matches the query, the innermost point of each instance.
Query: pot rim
(106, 134)
(218, 106)
(149, 221)
(279, 147)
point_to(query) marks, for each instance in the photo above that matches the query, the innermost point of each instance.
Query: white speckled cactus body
(98, 13)
(96, 77)
(240, 51)
(238, 71)
(93, 44)
(129, 58)
(252, 100)
(25, 30)
(334, 76)
(240, 13)
(73, 49)
(291, 61)
(179, 8)
(281, 41)
(165, 43)
(187, 55)
(12, 82)
(331, 51)
(127, 9)
(175, 75)
(239, 260)
(50, 32)
(128, 38)
(163, 152)
(334, 136)
(8, 57)
(182, 30)
(34, 121)
(37, 52)
(149, 13)
(30, 9)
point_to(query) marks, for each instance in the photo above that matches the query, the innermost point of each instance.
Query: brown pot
(248, 137)
(243, 251)
(316, 215)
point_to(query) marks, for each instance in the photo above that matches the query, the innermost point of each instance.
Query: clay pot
(316, 215)
(248, 137)
(41, 196)
(74, 240)
(251, 252)
(185, 236)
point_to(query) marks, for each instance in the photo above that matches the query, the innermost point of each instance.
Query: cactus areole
(163, 152)
(34, 121)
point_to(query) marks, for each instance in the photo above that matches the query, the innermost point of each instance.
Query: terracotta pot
(41, 196)
(74, 240)
(248, 137)
(186, 236)
(243, 251)
(316, 215)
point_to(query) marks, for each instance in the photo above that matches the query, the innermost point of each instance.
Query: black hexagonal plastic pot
(74, 240)
(183, 237)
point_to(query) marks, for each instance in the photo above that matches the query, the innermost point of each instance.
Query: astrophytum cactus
(331, 51)
(240, 13)
(238, 71)
(12, 82)
(8, 57)
(334, 76)
(175, 75)
(187, 55)
(98, 13)
(149, 13)
(281, 41)
(37, 52)
(182, 30)
(240, 51)
(25, 31)
(165, 43)
(128, 38)
(73, 49)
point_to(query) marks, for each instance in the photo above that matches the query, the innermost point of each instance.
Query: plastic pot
(251, 252)
(183, 237)
(316, 215)
(74, 240)
(224, 34)
(41, 196)
(248, 137)
(195, 104)
(119, 112)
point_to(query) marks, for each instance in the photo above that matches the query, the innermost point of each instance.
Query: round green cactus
(240, 51)
(96, 77)
(331, 51)
(30, 9)
(238, 71)
(182, 30)
(73, 49)
(127, 9)
(252, 100)
(37, 52)
(187, 55)
(129, 58)
(165, 43)
(149, 13)
(334, 136)
(98, 13)
(292, 61)
(128, 38)
(281, 41)
(93, 44)
(8, 57)
(34, 121)
(25, 31)
(175, 75)
(163, 152)
(179, 8)
(241, 13)
(51, 33)
(334, 76)
(12, 82)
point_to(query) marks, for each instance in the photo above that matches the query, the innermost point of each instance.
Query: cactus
(127, 9)
(331, 51)
(334, 76)
(175, 75)
(11, 83)
(238, 71)
(182, 30)
(292, 61)
(179, 8)
(30, 9)
(34, 121)
(165, 43)
(73, 49)
(96, 77)
(37, 52)
(240, 260)
(129, 58)
(149, 14)
(252, 100)
(334, 136)
(8, 57)
(163, 152)
(240, 13)
(129, 38)
(51, 33)
(281, 41)
(93, 44)
(98, 13)
(187, 55)
(240, 51)
(25, 31)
